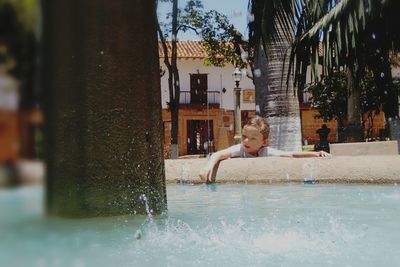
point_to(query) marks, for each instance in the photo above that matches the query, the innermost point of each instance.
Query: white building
(206, 100)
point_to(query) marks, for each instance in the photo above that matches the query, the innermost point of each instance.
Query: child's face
(252, 139)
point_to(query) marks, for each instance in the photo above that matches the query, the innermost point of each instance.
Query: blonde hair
(260, 123)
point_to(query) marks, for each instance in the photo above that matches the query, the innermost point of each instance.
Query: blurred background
(21, 119)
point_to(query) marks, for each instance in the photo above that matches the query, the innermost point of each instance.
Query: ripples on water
(218, 225)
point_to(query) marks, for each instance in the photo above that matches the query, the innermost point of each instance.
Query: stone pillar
(101, 95)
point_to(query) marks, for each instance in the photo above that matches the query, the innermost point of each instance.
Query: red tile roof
(186, 49)
(195, 49)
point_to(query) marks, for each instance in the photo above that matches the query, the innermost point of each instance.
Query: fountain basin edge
(382, 169)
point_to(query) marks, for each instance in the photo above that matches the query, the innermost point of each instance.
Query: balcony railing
(213, 98)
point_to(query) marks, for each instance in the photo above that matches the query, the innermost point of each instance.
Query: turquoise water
(217, 225)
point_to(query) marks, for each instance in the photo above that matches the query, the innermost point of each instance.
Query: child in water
(254, 144)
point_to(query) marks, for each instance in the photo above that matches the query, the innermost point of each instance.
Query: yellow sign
(249, 96)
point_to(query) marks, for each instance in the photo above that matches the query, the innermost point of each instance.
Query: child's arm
(206, 173)
(308, 154)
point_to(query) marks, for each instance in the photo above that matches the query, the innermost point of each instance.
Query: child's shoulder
(234, 150)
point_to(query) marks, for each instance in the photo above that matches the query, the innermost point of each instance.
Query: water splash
(234, 226)
(309, 171)
(185, 173)
(149, 219)
(148, 210)
(221, 240)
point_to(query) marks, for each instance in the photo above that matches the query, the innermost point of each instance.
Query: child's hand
(205, 174)
(323, 154)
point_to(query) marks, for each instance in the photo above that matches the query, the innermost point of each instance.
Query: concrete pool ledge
(375, 169)
(382, 169)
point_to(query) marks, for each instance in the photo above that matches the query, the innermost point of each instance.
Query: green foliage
(338, 26)
(345, 28)
(329, 96)
(223, 42)
(192, 15)
(371, 97)
(27, 12)
(17, 42)
(188, 18)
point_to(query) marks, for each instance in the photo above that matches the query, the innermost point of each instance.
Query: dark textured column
(101, 92)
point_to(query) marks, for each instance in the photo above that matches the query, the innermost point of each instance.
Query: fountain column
(101, 95)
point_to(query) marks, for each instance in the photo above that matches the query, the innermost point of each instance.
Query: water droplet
(138, 234)
(250, 17)
(382, 74)
(101, 52)
(257, 72)
(237, 13)
(373, 36)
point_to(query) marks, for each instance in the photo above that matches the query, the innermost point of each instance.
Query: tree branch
(187, 26)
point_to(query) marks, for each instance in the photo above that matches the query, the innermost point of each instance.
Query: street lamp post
(237, 76)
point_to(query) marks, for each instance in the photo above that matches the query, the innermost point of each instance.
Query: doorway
(200, 137)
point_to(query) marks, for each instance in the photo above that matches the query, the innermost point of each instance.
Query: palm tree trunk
(276, 99)
(260, 77)
(354, 131)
